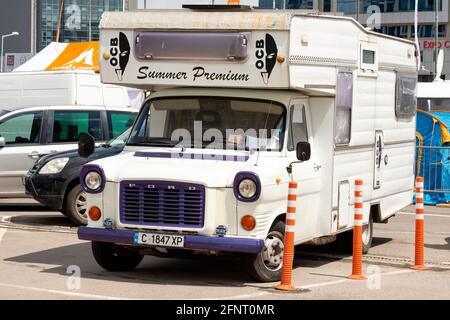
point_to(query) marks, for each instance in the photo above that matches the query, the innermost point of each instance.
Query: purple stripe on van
(191, 156)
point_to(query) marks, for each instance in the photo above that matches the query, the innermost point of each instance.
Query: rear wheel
(266, 265)
(76, 206)
(367, 235)
(115, 258)
(344, 241)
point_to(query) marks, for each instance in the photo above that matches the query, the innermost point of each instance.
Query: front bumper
(48, 188)
(190, 241)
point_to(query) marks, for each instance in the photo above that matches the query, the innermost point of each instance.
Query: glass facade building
(79, 23)
(349, 6)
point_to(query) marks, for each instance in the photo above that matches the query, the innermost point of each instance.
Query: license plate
(158, 240)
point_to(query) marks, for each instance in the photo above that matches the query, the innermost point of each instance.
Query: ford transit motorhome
(239, 97)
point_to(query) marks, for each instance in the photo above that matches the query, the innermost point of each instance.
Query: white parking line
(398, 232)
(241, 296)
(329, 283)
(426, 214)
(309, 286)
(60, 292)
(2, 233)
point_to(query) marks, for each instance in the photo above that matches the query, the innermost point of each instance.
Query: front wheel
(115, 258)
(76, 206)
(266, 265)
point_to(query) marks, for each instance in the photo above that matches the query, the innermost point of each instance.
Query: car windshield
(210, 122)
(120, 140)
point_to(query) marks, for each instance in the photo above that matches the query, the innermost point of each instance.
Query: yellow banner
(77, 56)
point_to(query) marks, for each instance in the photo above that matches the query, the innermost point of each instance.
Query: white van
(240, 97)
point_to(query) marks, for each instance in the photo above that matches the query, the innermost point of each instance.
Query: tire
(259, 266)
(367, 235)
(75, 206)
(344, 242)
(63, 212)
(114, 258)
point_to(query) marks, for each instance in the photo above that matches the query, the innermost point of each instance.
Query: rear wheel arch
(375, 212)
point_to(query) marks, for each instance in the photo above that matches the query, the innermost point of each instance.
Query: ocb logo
(266, 54)
(120, 54)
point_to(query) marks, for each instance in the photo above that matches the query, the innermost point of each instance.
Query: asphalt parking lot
(41, 258)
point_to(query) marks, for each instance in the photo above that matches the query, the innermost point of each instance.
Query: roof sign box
(230, 59)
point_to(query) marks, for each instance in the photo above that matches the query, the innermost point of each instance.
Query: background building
(16, 16)
(37, 23)
(80, 19)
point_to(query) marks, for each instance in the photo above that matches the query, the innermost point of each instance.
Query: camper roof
(184, 19)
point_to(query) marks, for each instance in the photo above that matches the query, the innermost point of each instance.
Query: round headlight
(247, 188)
(93, 180)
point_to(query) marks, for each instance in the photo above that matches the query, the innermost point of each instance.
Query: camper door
(307, 173)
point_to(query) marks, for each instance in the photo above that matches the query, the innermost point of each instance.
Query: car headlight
(93, 180)
(54, 166)
(247, 188)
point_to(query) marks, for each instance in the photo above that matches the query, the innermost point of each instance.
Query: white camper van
(238, 98)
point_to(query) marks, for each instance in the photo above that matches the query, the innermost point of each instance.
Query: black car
(54, 179)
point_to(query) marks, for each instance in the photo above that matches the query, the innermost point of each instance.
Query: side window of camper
(344, 103)
(368, 59)
(405, 100)
(298, 129)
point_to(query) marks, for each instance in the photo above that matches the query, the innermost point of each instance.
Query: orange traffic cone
(419, 261)
(288, 254)
(357, 234)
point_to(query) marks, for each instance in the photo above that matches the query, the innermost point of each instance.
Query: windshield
(210, 122)
(120, 140)
(434, 104)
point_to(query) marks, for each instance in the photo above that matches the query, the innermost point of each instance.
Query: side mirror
(86, 145)
(303, 151)
(2, 142)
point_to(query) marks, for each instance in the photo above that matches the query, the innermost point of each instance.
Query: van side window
(119, 122)
(22, 129)
(405, 97)
(298, 130)
(344, 103)
(68, 125)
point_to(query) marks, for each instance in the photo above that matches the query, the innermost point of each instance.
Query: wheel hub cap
(273, 253)
(81, 205)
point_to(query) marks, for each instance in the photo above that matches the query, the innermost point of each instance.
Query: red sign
(429, 44)
(10, 60)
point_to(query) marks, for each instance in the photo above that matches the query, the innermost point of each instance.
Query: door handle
(36, 155)
(317, 167)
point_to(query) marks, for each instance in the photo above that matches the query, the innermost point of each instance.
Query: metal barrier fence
(433, 163)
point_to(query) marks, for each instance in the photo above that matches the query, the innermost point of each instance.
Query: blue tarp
(433, 164)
